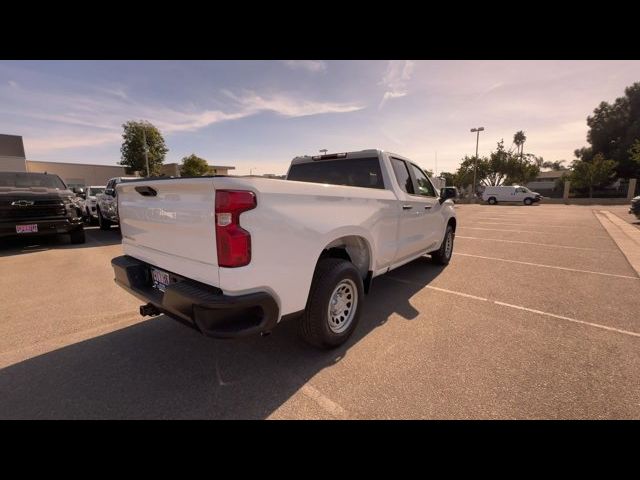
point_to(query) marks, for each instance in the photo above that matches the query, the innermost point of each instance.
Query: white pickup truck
(233, 256)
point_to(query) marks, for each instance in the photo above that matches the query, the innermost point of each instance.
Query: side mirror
(110, 191)
(82, 195)
(446, 193)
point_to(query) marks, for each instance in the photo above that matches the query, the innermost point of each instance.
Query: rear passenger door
(414, 233)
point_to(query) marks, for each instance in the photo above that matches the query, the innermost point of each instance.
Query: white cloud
(395, 79)
(48, 142)
(291, 107)
(13, 84)
(313, 66)
(84, 120)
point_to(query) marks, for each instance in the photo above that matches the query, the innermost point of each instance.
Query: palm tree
(519, 138)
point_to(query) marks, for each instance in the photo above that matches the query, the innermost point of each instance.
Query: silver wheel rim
(342, 306)
(448, 247)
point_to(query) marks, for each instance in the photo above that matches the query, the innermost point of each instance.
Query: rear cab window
(352, 172)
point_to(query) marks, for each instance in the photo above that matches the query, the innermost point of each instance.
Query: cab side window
(402, 175)
(424, 185)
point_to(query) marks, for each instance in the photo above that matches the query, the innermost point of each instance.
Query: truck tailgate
(175, 218)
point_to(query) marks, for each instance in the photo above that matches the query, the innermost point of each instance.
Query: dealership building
(13, 159)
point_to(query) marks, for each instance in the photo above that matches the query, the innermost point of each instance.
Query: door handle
(427, 207)
(407, 207)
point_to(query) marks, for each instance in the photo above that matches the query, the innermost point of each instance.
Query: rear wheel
(104, 223)
(442, 256)
(77, 236)
(334, 305)
(528, 201)
(492, 201)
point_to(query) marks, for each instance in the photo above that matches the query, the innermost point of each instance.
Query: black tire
(77, 236)
(315, 327)
(492, 200)
(442, 256)
(104, 223)
(528, 201)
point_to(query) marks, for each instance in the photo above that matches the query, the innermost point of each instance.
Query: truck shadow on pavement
(95, 238)
(161, 369)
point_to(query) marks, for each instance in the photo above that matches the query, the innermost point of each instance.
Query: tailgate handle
(146, 191)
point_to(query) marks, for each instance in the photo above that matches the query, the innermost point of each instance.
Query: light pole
(475, 160)
(144, 148)
(324, 150)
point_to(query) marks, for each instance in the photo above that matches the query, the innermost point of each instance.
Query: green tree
(449, 179)
(132, 149)
(497, 166)
(519, 138)
(464, 174)
(634, 154)
(595, 173)
(522, 170)
(613, 129)
(555, 166)
(194, 166)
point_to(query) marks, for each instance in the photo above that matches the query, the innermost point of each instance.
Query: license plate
(160, 279)
(27, 228)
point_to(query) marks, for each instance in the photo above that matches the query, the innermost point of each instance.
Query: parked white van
(513, 193)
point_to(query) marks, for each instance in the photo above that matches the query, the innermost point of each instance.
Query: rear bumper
(200, 306)
(45, 226)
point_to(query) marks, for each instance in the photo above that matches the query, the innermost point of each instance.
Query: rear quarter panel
(294, 222)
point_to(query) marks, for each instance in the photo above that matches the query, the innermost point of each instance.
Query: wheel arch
(355, 249)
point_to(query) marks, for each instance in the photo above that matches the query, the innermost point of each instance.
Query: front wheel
(492, 201)
(442, 256)
(528, 201)
(334, 305)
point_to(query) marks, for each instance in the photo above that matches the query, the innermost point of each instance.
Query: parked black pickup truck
(38, 204)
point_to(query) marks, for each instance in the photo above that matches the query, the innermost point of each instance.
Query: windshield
(26, 180)
(95, 191)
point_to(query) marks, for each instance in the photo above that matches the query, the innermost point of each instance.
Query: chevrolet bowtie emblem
(23, 203)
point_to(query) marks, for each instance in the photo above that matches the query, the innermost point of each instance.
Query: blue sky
(260, 114)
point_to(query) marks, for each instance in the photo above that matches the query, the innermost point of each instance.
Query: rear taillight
(233, 242)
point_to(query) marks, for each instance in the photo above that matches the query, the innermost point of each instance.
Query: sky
(258, 115)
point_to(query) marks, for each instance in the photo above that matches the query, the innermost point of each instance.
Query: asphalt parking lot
(537, 316)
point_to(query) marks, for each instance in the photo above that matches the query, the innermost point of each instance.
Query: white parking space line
(457, 293)
(561, 317)
(328, 405)
(409, 282)
(534, 243)
(537, 225)
(548, 266)
(526, 309)
(522, 231)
